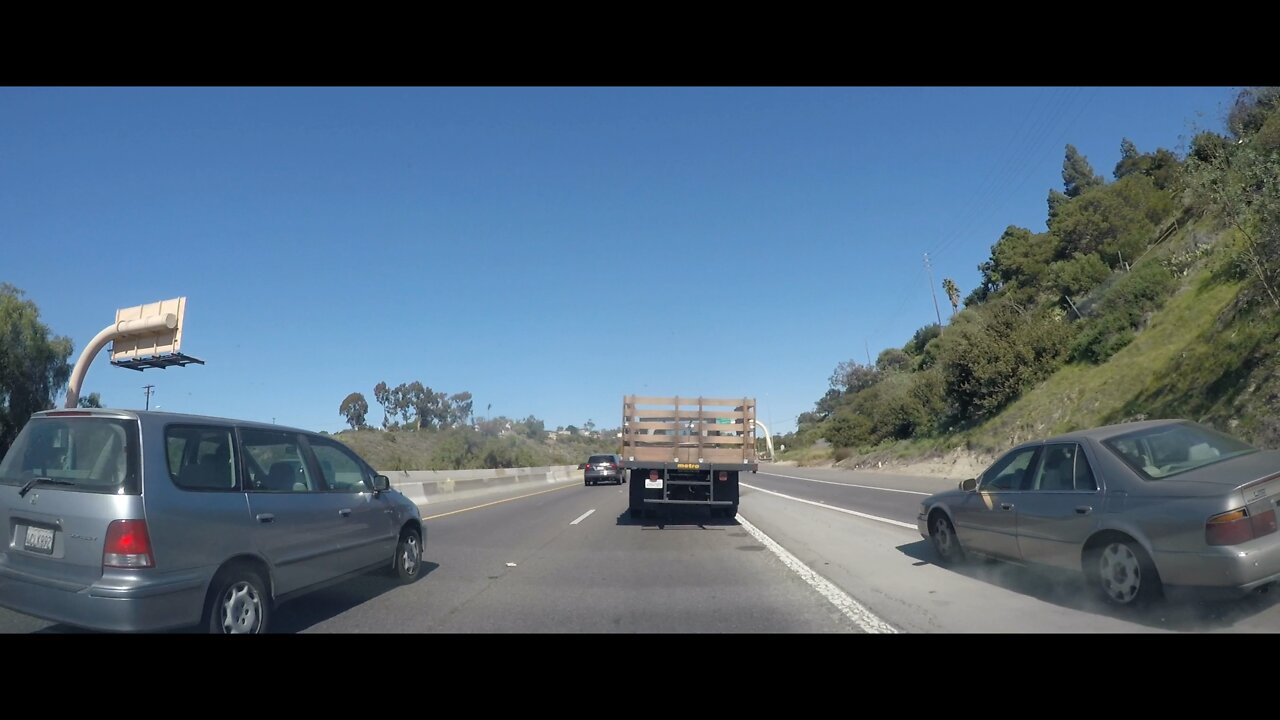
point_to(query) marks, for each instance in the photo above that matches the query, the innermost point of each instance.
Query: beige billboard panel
(149, 343)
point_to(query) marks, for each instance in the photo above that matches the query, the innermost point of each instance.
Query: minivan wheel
(408, 557)
(241, 605)
(1123, 573)
(945, 542)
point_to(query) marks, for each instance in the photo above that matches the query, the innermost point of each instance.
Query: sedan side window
(1064, 467)
(1010, 472)
(1084, 473)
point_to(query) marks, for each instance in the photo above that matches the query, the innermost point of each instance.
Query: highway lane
(891, 570)
(566, 559)
(569, 559)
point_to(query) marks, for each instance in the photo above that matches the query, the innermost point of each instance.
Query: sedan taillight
(1237, 526)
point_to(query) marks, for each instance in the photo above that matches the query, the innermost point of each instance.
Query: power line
(932, 292)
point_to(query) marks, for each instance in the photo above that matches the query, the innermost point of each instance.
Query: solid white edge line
(864, 487)
(583, 516)
(852, 609)
(899, 523)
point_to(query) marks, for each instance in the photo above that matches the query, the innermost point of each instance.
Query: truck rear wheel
(635, 495)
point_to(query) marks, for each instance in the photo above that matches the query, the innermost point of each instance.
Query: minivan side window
(274, 462)
(341, 471)
(201, 457)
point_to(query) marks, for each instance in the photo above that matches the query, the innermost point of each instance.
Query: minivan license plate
(39, 540)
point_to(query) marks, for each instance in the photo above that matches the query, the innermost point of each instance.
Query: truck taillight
(653, 474)
(128, 545)
(724, 475)
(1237, 526)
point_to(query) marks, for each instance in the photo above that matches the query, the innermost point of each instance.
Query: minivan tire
(239, 604)
(408, 559)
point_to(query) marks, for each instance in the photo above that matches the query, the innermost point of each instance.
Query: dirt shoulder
(957, 465)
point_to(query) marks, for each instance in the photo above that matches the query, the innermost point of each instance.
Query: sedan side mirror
(381, 483)
(970, 484)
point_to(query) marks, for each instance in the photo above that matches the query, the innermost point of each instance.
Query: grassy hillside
(460, 449)
(1152, 294)
(1210, 354)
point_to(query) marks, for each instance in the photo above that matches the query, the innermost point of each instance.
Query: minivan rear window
(78, 453)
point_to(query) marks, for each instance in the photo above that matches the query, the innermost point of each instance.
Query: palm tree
(953, 294)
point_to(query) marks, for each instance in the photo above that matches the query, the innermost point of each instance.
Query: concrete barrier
(428, 486)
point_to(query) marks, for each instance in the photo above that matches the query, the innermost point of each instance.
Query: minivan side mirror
(970, 484)
(381, 483)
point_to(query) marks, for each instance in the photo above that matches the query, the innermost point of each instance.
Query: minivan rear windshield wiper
(41, 481)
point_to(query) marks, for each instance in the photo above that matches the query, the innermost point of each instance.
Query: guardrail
(427, 486)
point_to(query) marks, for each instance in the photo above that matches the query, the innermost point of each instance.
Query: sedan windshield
(1167, 450)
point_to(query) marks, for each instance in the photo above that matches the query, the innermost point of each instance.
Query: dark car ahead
(603, 467)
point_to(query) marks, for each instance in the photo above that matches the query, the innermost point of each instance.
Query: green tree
(916, 345)
(827, 404)
(1251, 110)
(532, 427)
(1077, 173)
(848, 429)
(1243, 184)
(1077, 275)
(953, 294)
(1056, 201)
(459, 409)
(893, 360)
(988, 361)
(1116, 221)
(852, 376)
(354, 408)
(33, 363)
(382, 394)
(1018, 257)
(1128, 159)
(93, 401)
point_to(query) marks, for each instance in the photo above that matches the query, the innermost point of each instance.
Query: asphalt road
(812, 551)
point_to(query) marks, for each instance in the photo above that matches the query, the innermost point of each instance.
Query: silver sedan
(1134, 507)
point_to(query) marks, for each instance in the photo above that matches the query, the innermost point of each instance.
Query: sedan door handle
(1006, 506)
(266, 517)
(345, 512)
(1084, 509)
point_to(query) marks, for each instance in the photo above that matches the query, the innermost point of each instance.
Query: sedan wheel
(1125, 575)
(945, 542)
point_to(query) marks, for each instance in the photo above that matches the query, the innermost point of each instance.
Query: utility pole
(148, 389)
(933, 292)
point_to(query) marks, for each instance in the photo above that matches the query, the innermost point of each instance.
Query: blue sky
(547, 249)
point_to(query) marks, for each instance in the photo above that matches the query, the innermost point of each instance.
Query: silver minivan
(143, 521)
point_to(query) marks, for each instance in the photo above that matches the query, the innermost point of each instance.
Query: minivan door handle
(1006, 506)
(345, 512)
(1084, 509)
(266, 517)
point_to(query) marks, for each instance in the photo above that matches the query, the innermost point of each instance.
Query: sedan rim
(1120, 573)
(409, 555)
(241, 609)
(942, 537)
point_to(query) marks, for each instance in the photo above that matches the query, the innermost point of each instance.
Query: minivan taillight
(1237, 526)
(128, 545)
